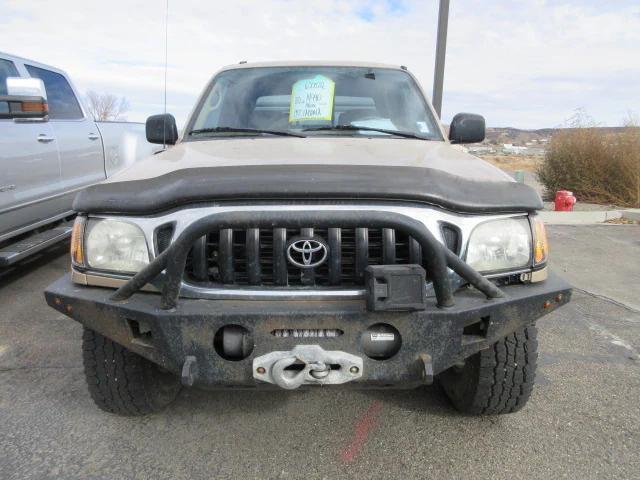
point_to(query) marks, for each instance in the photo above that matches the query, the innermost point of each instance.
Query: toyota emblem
(307, 252)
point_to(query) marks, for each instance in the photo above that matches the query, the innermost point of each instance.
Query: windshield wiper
(366, 129)
(245, 130)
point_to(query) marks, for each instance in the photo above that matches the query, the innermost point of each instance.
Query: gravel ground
(583, 420)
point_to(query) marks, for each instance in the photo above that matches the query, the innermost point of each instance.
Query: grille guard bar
(437, 256)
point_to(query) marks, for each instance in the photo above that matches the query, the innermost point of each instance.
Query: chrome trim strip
(281, 293)
(192, 291)
(507, 274)
(540, 275)
(104, 280)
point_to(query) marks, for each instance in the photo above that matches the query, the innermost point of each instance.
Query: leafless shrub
(595, 164)
(105, 106)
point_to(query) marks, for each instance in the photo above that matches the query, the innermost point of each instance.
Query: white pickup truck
(50, 148)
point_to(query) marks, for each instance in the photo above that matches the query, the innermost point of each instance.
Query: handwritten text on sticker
(312, 99)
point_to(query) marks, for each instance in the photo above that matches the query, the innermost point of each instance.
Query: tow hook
(307, 365)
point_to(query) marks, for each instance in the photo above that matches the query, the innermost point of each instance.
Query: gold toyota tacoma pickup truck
(311, 225)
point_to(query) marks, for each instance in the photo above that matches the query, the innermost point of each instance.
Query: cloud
(526, 63)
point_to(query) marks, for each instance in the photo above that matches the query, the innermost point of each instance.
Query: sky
(520, 63)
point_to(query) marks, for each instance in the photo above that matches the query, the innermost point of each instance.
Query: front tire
(496, 380)
(123, 382)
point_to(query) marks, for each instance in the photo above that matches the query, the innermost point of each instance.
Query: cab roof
(311, 63)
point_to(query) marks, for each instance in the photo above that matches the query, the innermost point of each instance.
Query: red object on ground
(564, 201)
(362, 429)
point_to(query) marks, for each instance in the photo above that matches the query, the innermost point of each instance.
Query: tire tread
(116, 377)
(498, 379)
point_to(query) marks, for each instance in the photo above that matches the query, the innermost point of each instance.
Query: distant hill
(516, 136)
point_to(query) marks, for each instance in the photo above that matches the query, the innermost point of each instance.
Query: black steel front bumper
(433, 339)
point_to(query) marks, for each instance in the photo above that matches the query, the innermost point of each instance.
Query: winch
(307, 365)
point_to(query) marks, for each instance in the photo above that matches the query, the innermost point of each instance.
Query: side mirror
(162, 129)
(467, 128)
(26, 99)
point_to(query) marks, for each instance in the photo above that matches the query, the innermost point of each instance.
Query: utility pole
(441, 50)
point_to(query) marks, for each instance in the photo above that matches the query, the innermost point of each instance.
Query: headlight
(115, 245)
(499, 245)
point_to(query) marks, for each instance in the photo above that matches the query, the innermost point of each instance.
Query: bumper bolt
(354, 370)
(261, 370)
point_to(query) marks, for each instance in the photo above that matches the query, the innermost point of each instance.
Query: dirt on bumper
(431, 340)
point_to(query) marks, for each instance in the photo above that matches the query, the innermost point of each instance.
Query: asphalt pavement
(583, 420)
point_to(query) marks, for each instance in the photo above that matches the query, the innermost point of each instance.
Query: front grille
(257, 257)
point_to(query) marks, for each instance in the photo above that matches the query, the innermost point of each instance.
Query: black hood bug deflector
(308, 182)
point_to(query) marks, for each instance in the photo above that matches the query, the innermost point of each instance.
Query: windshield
(313, 101)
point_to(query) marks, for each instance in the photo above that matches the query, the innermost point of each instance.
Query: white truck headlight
(115, 245)
(499, 245)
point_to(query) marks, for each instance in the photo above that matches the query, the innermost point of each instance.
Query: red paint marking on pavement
(361, 430)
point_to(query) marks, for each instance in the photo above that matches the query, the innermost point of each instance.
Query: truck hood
(269, 169)
(389, 152)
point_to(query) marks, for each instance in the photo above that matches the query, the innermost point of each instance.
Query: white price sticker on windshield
(312, 99)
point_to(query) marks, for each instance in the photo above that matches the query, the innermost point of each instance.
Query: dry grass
(621, 221)
(515, 162)
(596, 166)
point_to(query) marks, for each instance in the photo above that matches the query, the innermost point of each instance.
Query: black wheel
(123, 382)
(496, 380)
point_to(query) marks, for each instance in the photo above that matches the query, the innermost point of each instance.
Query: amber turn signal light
(35, 107)
(77, 241)
(540, 242)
